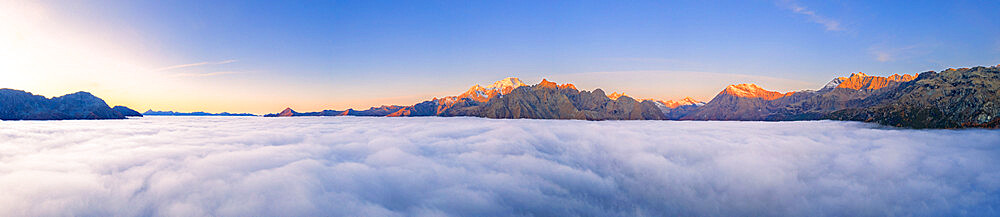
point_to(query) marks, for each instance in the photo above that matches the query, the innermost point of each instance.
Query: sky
(260, 57)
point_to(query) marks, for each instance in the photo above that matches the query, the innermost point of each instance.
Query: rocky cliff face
(21, 105)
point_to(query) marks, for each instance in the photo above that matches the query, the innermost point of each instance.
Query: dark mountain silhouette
(21, 105)
(126, 111)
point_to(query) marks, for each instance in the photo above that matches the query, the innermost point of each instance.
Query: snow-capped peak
(833, 84)
(511, 82)
(681, 102)
(499, 88)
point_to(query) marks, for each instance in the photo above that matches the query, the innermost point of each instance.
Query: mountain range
(173, 113)
(952, 98)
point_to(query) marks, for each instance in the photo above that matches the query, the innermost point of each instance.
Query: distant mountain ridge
(953, 98)
(511, 98)
(172, 113)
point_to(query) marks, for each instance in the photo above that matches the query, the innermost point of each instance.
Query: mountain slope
(126, 111)
(954, 98)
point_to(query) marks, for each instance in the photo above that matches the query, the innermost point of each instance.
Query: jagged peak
(748, 90)
(691, 100)
(744, 86)
(615, 95)
(545, 83)
(862, 81)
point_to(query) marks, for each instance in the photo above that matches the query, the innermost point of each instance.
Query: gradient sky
(260, 57)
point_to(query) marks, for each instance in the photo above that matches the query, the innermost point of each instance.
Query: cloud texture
(355, 166)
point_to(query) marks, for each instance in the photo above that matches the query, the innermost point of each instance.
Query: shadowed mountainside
(126, 111)
(21, 105)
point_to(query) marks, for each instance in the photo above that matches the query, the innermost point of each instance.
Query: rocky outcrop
(21, 105)
(127, 112)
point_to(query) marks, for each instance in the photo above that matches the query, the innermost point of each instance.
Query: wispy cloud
(888, 53)
(205, 74)
(830, 24)
(193, 65)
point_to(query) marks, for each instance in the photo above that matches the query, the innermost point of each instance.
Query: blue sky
(226, 55)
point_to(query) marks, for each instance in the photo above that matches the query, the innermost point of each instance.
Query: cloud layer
(336, 166)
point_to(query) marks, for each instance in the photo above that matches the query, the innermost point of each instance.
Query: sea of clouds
(356, 166)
